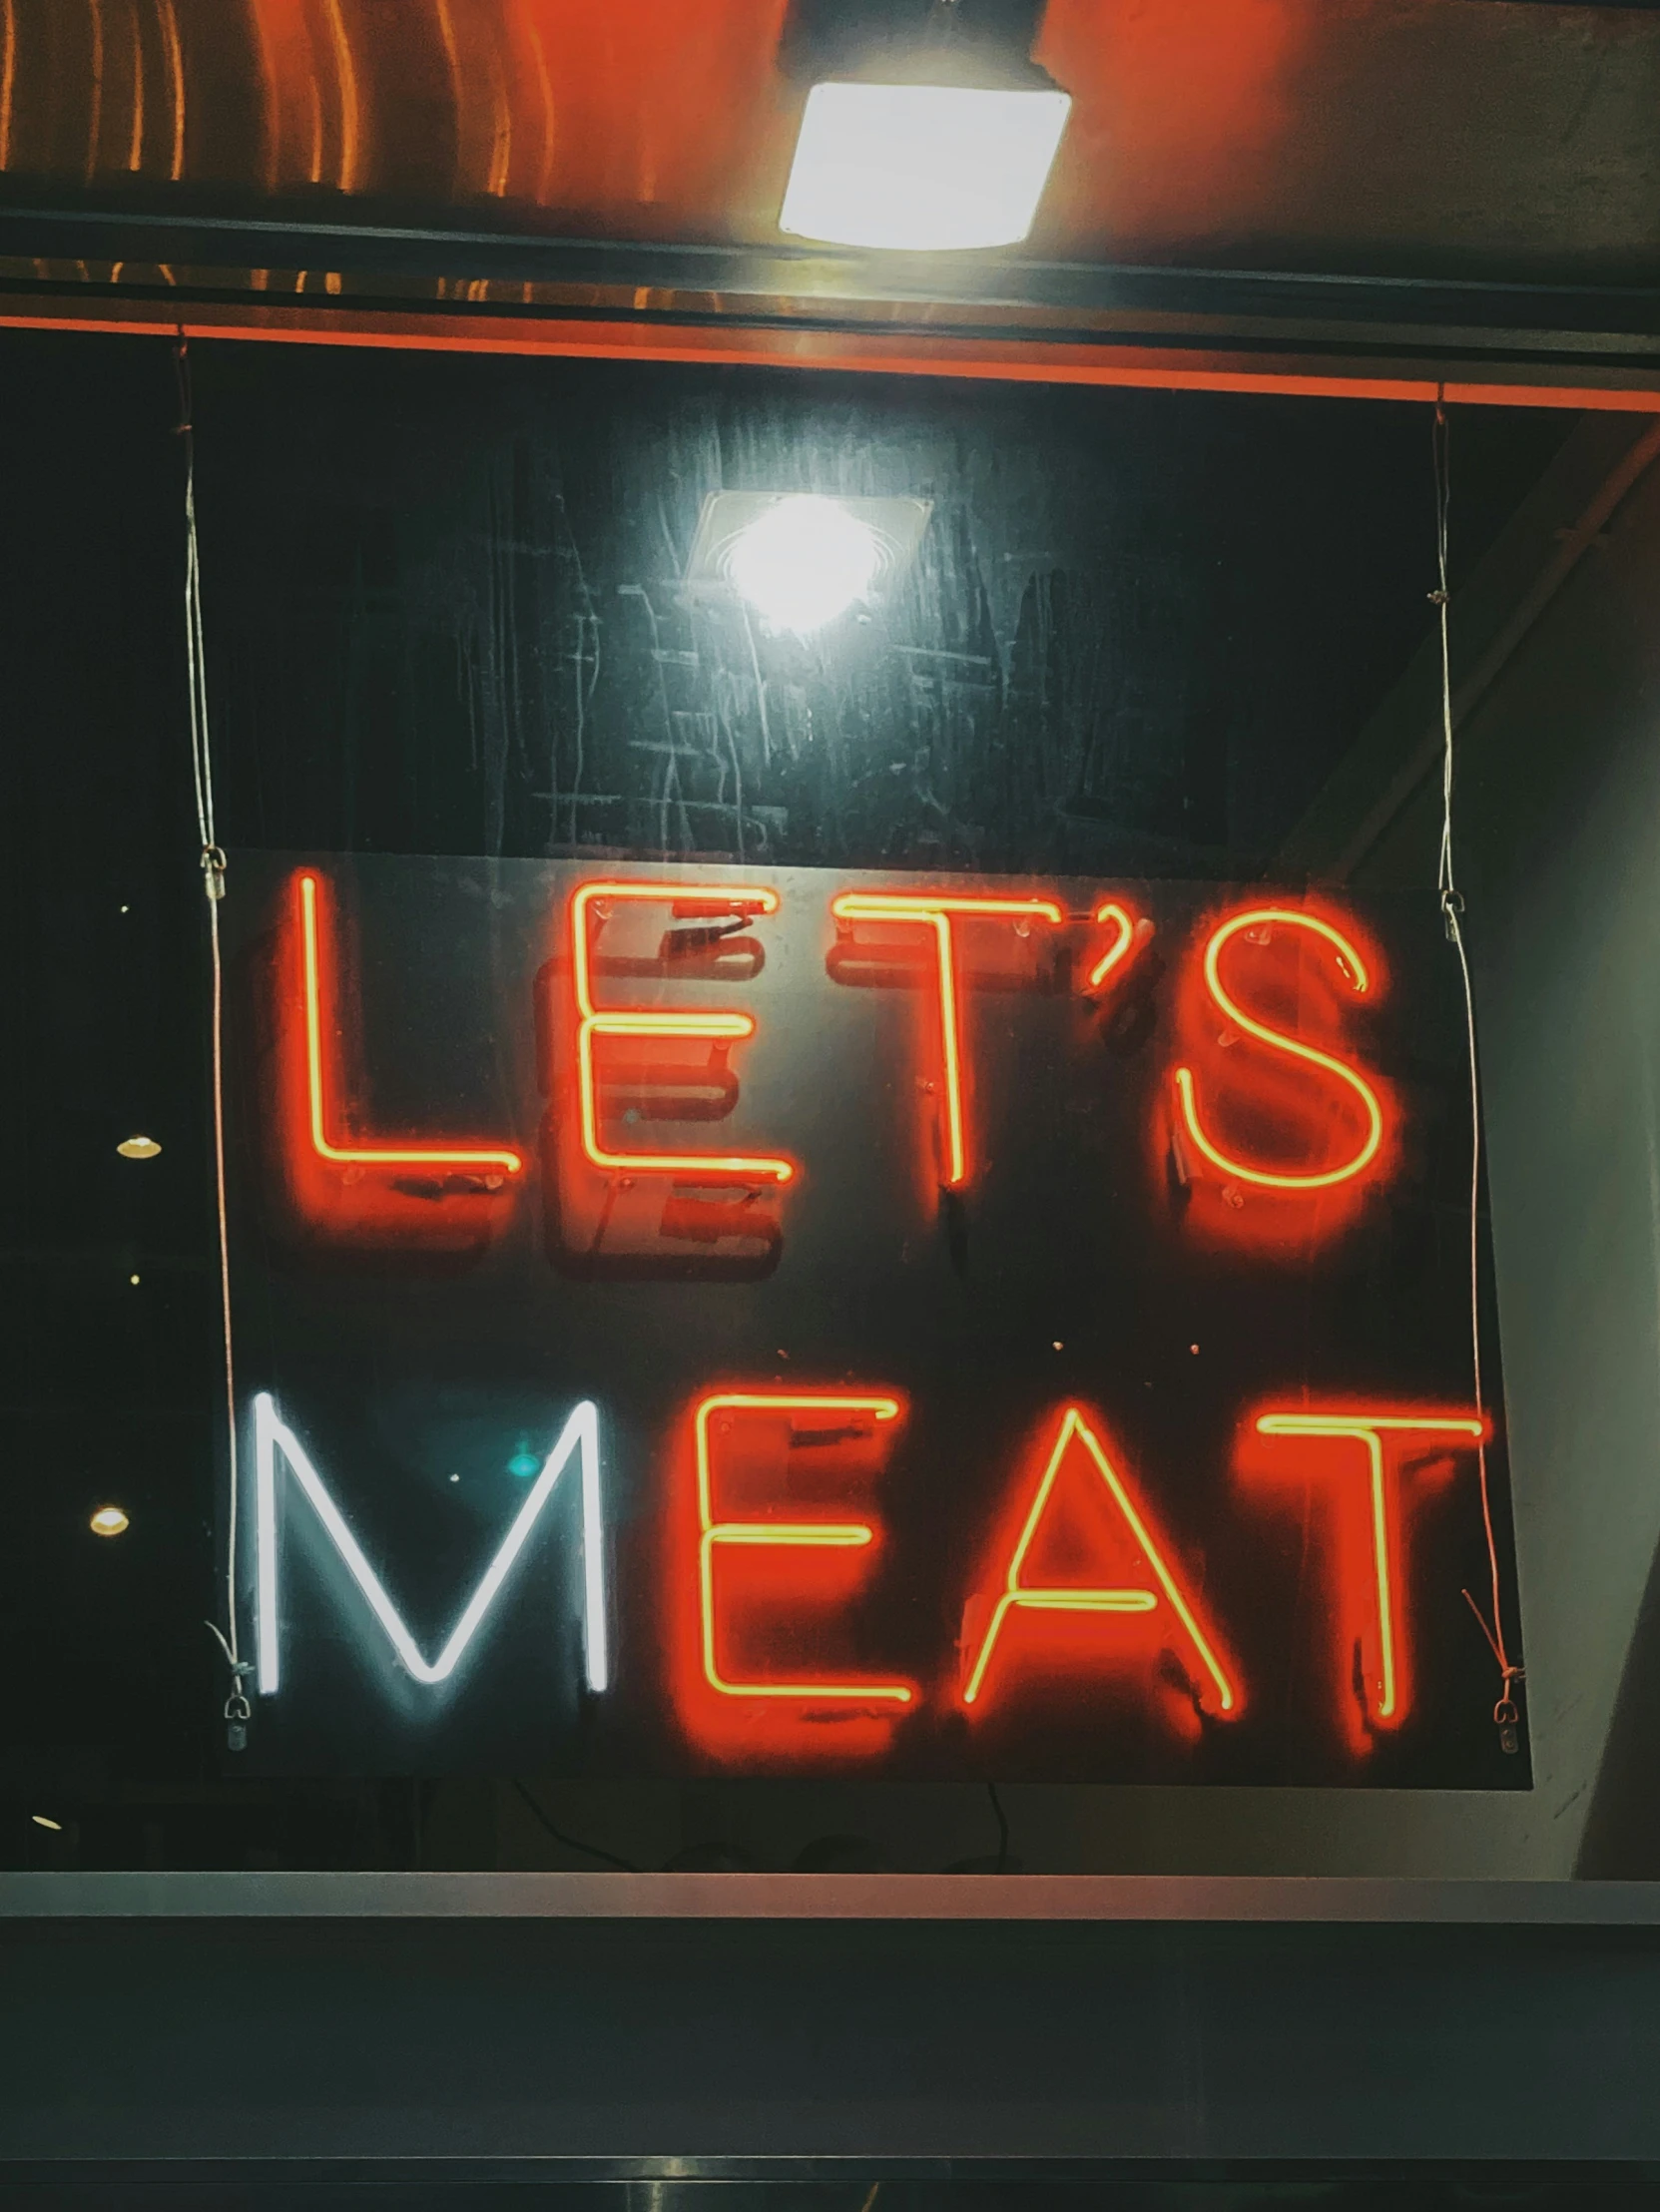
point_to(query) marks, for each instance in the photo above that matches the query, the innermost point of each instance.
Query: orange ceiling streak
(655, 109)
(631, 121)
(1178, 114)
(1020, 359)
(1332, 135)
(670, 118)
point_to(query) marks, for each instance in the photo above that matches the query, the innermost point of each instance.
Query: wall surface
(1558, 853)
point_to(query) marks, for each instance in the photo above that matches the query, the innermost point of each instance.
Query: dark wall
(1558, 842)
(447, 610)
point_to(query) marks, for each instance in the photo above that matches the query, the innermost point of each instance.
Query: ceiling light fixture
(800, 559)
(109, 1520)
(938, 142)
(138, 1148)
(43, 1820)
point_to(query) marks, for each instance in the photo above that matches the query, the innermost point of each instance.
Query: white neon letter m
(272, 1435)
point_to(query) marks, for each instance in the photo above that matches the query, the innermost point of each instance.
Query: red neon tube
(319, 1083)
(593, 1022)
(1128, 935)
(780, 1536)
(1018, 1594)
(1376, 1433)
(935, 912)
(1353, 968)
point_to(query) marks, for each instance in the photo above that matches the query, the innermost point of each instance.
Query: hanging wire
(1453, 910)
(236, 1710)
(1002, 1828)
(573, 1842)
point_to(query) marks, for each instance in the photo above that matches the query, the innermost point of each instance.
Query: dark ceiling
(1378, 173)
(1475, 138)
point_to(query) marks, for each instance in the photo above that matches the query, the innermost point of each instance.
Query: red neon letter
(935, 912)
(593, 1022)
(1154, 1586)
(320, 1082)
(1128, 936)
(1353, 969)
(1368, 1575)
(780, 1536)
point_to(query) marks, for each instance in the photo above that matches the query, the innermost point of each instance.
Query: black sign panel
(709, 1319)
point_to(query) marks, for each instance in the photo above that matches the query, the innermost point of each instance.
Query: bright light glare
(109, 1520)
(802, 562)
(922, 169)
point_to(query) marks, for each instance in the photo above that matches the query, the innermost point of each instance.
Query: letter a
(1143, 1583)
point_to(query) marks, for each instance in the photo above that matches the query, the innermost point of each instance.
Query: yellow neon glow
(1087, 1600)
(397, 1156)
(1354, 969)
(935, 912)
(594, 1021)
(1118, 950)
(1366, 1429)
(788, 1535)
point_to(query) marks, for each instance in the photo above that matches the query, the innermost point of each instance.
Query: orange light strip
(1119, 950)
(936, 911)
(1368, 1429)
(596, 1022)
(787, 1535)
(1016, 360)
(1354, 969)
(1081, 1600)
(389, 1155)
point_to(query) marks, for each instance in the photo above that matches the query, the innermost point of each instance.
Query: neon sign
(322, 1085)
(1258, 924)
(1368, 1550)
(1128, 936)
(1155, 1586)
(847, 1433)
(275, 1441)
(941, 915)
(910, 1378)
(590, 905)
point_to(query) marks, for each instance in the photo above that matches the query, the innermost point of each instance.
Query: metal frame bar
(732, 342)
(377, 242)
(363, 2046)
(378, 281)
(1228, 1899)
(1503, 312)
